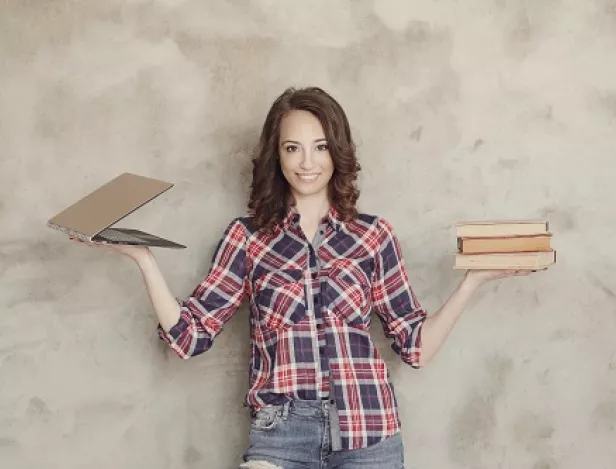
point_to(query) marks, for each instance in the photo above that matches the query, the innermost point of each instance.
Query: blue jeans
(297, 435)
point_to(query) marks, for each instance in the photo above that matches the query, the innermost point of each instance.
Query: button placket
(317, 303)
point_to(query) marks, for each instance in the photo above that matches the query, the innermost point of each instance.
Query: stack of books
(519, 245)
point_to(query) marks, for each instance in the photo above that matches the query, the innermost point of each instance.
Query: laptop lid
(109, 203)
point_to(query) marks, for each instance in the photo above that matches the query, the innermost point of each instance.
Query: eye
(322, 147)
(290, 148)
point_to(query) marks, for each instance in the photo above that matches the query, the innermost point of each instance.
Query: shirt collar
(292, 219)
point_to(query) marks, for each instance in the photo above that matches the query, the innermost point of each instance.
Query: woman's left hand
(480, 276)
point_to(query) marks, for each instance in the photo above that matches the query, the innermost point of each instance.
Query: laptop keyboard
(115, 236)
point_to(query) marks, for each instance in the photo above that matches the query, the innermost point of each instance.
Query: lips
(308, 177)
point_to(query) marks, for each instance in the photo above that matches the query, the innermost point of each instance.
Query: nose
(307, 160)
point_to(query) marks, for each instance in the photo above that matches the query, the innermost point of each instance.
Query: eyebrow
(297, 143)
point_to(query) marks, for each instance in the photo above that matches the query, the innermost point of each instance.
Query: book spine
(508, 237)
(517, 251)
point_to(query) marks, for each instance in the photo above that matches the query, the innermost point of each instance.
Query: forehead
(300, 124)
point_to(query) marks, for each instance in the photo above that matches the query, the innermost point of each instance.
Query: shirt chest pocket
(347, 292)
(280, 299)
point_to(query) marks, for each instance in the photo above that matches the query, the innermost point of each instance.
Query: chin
(305, 191)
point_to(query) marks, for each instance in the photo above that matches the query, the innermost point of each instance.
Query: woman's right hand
(134, 252)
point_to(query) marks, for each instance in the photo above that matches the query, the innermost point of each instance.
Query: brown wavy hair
(270, 191)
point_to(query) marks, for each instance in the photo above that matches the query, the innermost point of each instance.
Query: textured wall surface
(461, 110)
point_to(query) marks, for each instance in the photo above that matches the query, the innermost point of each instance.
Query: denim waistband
(305, 404)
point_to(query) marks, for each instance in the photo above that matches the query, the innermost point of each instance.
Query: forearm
(436, 328)
(165, 305)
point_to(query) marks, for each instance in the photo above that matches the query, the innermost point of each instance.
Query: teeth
(307, 177)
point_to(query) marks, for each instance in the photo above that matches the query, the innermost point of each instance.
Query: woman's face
(304, 155)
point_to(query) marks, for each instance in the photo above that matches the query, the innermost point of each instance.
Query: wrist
(144, 258)
(470, 281)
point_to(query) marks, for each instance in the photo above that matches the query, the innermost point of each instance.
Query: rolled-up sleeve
(215, 300)
(394, 300)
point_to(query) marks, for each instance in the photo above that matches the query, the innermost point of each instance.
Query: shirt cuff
(173, 334)
(409, 348)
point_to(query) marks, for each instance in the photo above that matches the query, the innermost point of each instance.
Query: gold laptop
(91, 218)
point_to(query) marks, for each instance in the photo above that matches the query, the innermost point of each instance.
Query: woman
(313, 269)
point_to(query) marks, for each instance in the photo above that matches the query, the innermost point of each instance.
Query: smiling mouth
(307, 177)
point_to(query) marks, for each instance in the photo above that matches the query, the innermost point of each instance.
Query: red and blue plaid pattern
(310, 314)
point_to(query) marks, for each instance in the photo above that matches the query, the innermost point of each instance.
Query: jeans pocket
(267, 419)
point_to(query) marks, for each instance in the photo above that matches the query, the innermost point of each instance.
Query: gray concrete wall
(461, 110)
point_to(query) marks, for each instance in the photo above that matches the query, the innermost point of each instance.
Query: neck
(312, 208)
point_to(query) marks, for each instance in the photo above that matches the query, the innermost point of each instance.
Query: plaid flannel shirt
(310, 308)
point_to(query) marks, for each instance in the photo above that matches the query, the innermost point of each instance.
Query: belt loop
(334, 417)
(334, 428)
(285, 410)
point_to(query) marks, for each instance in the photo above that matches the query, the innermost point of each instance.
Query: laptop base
(133, 237)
